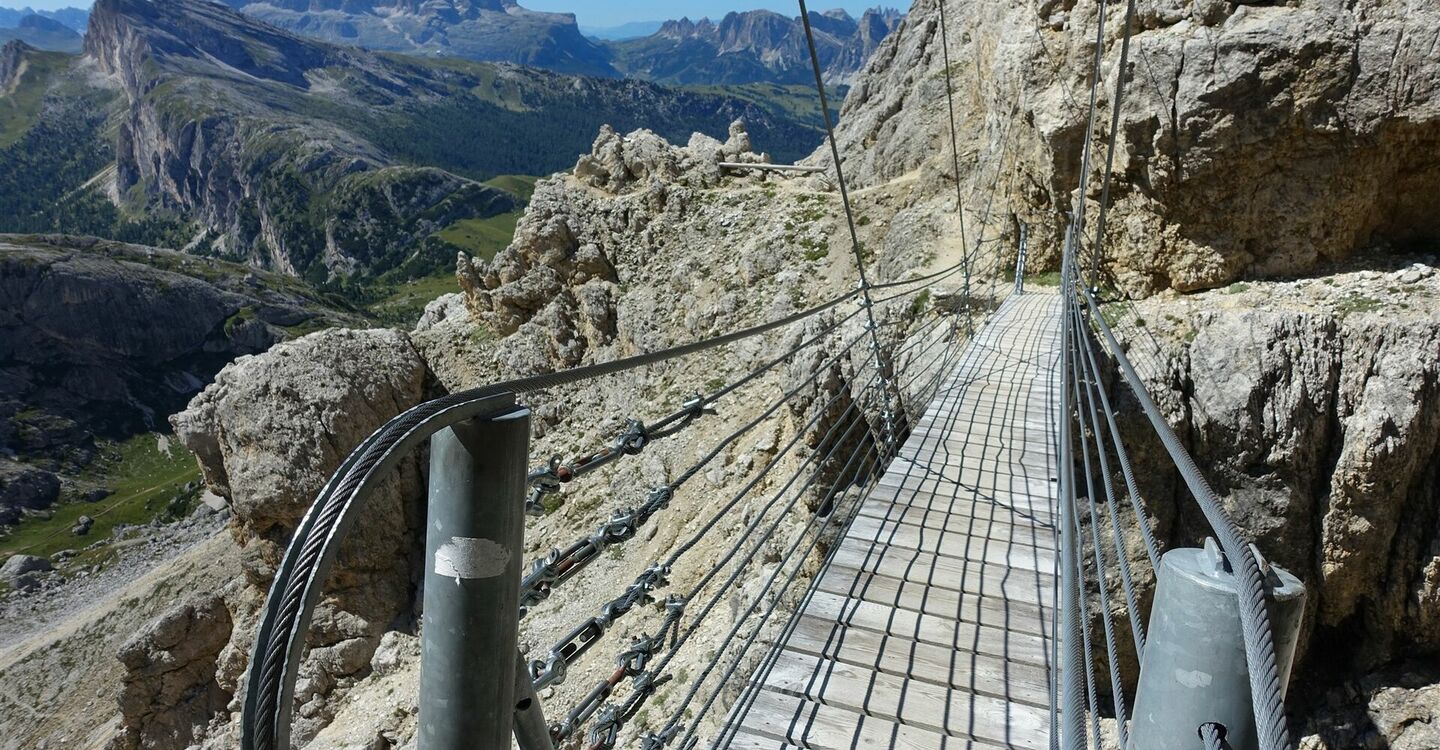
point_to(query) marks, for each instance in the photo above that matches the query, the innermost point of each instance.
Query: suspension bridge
(963, 548)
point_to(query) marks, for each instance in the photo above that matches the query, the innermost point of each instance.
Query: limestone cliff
(1314, 407)
(1254, 139)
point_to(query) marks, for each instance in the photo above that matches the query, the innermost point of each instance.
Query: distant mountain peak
(754, 46)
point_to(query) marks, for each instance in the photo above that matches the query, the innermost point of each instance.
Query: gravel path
(23, 613)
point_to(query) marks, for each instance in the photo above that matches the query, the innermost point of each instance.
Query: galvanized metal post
(1194, 670)
(1020, 259)
(531, 731)
(473, 546)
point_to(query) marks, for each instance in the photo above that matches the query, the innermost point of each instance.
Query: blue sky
(600, 13)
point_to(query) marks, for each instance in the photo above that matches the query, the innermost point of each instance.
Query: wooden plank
(1012, 552)
(910, 702)
(808, 724)
(987, 579)
(953, 605)
(992, 638)
(916, 660)
(1004, 524)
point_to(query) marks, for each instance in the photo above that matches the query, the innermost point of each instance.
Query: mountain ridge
(236, 138)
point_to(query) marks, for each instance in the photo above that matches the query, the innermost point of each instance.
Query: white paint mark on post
(1193, 678)
(464, 557)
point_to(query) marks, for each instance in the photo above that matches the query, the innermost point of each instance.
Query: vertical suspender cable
(955, 158)
(1078, 209)
(1110, 149)
(884, 366)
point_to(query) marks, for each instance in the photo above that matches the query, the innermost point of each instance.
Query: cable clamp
(634, 439)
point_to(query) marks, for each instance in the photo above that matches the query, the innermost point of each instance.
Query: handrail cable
(1115, 104)
(558, 567)
(1142, 519)
(1106, 619)
(674, 612)
(1090, 425)
(295, 589)
(1266, 688)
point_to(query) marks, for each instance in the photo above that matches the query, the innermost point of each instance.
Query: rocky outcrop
(1314, 407)
(605, 260)
(758, 46)
(1259, 140)
(22, 571)
(12, 53)
(268, 433)
(326, 161)
(170, 689)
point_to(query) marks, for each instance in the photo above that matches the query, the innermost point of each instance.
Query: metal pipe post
(531, 731)
(473, 546)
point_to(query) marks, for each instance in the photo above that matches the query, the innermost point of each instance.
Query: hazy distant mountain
(74, 18)
(632, 30)
(43, 33)
(755, 46)
(490, 30)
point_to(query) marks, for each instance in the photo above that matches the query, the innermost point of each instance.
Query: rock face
(1315, 408)
(1254, 140)
(103, 338)
(25, 488)
(494, 30)
(11, 54)
(170, 682)
(18, 567)
(268, 434)
(755, 46)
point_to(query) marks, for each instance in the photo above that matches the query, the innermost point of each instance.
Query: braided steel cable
(553, 670)
(1122, 558)
(1267, 691)
(1212, 735)
(1092, 695)
(954, 144)
(716, 517)
(577, 717)
(1073, 663)
(1114, 131)
(740, 619)
(1142, 519)
(1106, 619)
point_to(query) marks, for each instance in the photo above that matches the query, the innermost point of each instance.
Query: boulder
(19, 565)
(268, 434)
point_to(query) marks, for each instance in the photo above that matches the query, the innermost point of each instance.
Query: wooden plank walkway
(930, 626)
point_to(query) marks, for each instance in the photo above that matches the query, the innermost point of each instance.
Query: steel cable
(1122, 558)
(295, 590)
(1266, 689)
(1106, 619)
